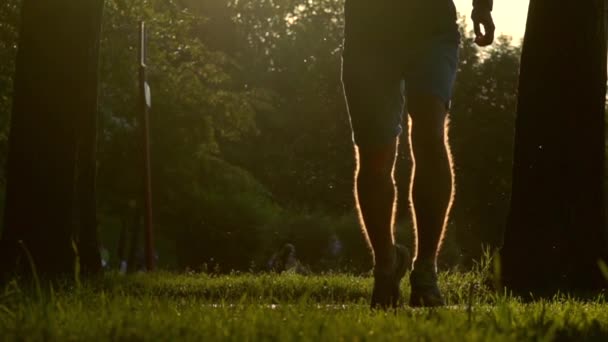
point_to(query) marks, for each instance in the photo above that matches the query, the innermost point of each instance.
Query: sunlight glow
(509, 16)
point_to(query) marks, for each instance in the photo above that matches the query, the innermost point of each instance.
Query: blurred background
(251, 147)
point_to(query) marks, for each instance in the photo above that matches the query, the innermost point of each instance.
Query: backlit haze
(509, 16)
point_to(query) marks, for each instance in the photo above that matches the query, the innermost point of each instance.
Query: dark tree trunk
(86, 230)
(50, 196)
(556, 231)
(134, 261)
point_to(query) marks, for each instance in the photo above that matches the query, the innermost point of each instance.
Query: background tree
(50, 194)
(556, 231)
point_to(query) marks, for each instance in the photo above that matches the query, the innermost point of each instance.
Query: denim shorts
(376, 77)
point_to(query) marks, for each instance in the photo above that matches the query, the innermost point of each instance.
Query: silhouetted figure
(398, 52)
(335, 246)
(285, 260)
(105, 257)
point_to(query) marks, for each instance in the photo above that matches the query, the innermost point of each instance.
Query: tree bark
(50, 197)
(556, 231)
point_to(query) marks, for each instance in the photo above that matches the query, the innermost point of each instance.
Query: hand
(483, 17)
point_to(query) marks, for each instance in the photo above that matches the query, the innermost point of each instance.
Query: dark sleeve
(485, 4)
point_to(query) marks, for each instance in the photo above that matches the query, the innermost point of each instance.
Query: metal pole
(145, 103)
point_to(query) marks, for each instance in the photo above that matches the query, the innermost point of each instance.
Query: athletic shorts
(384, 60)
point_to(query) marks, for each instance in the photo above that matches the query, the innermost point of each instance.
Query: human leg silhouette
(431, 192)
(375, 194)
(431, 196)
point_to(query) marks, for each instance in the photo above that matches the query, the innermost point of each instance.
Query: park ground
(288, 307)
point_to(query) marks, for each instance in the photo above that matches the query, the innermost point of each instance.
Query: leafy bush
(218, 215)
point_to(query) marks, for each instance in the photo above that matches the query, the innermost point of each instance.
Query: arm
(482, 16)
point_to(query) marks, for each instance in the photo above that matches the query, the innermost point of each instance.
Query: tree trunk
(50, 197)
(556, 231)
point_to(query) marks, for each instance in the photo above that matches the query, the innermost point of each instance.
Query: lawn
(268, 307)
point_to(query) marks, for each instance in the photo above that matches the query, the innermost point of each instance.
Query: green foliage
(481, 135)
(224, 216)
(202, 203)
(296, 54)
(195, 100)
(285, 307)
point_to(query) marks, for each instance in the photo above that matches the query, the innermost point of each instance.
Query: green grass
(244, 307)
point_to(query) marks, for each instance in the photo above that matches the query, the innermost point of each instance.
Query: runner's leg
(375, 194)
(431, 188)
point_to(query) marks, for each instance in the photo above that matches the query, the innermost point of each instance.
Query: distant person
(105, 256)
(335, 246)
(333, 257)
(399, 52)
(285, 260)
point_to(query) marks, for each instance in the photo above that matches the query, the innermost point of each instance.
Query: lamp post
(145, 104)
